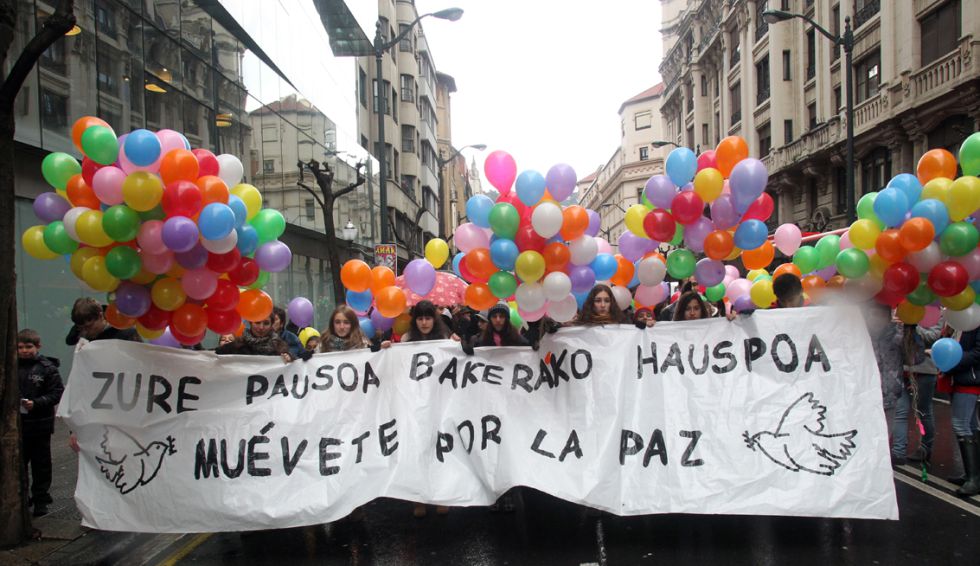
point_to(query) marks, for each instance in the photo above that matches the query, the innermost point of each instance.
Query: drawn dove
(126, 463)
(799, 441)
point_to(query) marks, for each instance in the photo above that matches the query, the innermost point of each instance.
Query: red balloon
(245, 273)
(181, 198)
(659, 225)
(222, 263)
(900, 279)
(89, 168)
(187, 340)
(207, 164)
(886, 297)
(189, 320)
(465, 273)
(686, 207)
(225, 297)
(527, 239)
(223, 321)
(155, 318)
(948, 278)
(760, 209)
(707, 159)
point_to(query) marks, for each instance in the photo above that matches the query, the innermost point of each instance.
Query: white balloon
(926, 259)
(622, 296)
(557, 286)
(964, 320)
(583, 250)
(563, 310)
(71, 218)
(651, 271)
(546, 219)
(230, 169)
(222, 246)
(530, 296)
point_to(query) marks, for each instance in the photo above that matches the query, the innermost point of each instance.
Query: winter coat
(39, 382)
(292, 342)
(924, 338)
(109, 333)
(969, 363)
(250, 345)
(888, 353)
(489, 341)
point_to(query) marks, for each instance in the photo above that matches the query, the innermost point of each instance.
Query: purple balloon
(723, 213)
(194, 258)
(420, 276)
(743, 304)
(634, 247)
(380, 321)
(583, 278)
(696, 232)
(300, 312)
(747, 182)
(179, 233)
(273, 256)
(132, 299)
(561, 181)
(660, 191)
(594, 223)
(166, 339)
(51, 206)
(827, 272)
(709, 272)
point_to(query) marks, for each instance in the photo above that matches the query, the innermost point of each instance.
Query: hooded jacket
(40, 382)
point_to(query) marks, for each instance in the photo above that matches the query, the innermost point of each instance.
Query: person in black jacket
(40, 391)
(499, 332)
(88, 317)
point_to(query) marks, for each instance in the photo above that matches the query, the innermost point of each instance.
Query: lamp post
(441, 163)
(380, 48)
(657, 144)
(349, 231)
(847, 42)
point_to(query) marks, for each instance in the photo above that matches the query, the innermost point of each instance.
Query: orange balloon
(478, 263)
(760, 257)
(730, 151)
(718, 244)
(355, 275)
(575, 221)
(381, 277)
(813, 284)
(624, 271)
(916, 234)
(117, 319)
(889, 246)
(390, 301)
(213, 189)
(402, 323)
(835, 282)
(784, 268)
(479, 297)
(80, 194)
(936, 163)
(556, 256)
(189, 319)
(254, 305)
(179, 165)
(82, 124)
(240, 331)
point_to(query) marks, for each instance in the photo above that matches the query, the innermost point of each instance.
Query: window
(268, 166)
(408, 88)
(762, 80)
(811, 54)
(408, 184)
(761, 27)
(429, 200)
(864, 10)
(310, 211)
(105, 19)
(787, 62)
(704, 85)
(812, 195)
(644, 153)
(717, 127)
(787, 132)
(840, 190)
(690, 137)
(867, 77)
(54, 110)
(374, 95)
(408, 139)
(704, 134)
(939, 31)
(384, 26)
(736, 97)
(406, 43)
(784, 6)
(765, 140)
(391, 106)
(876, 170)
(736, 53)
(811, 115)
(642, 120)
(838, 101)
(362, 87)
(835, 27)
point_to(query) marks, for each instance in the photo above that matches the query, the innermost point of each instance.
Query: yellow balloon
(250, 196)
(708, 184)
(755, 273)
(959, 301)
(33, 242)
(90, 231)
(530, 266)
(762, 294)
(148, 334)
(78, 259)
(436, 252)
(144, 277)
(910, 313)
(937, 188)
(634, 219)
(963, 197)
(142, 191)
(167, 294)
(736, 251)
(877, 266)
(96, 275)
(864, 233)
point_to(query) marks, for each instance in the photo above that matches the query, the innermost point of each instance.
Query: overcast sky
(544, 79)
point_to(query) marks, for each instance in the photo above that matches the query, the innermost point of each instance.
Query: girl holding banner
(344, 332)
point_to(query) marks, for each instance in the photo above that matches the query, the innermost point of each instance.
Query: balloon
(99, 144)
(120, 223)
(478, 210)
(686, 207)
(660, 191)
(82, 125)
(89, 229)
(50, 206)
(908, 184)
(729, 152)
(504, 220)
(715, 293)
(360, 302)
(696, 232)
(761, 208)
(123, 262)
(959, 301)
(827, 248)
(634, 219)
(560, 181)
(650, 295)
(708, 183)
(604, 266)
(189, 319)
(709, 272)
(504, 254)
(207, 163)
(213, 189)
(852, 263)
(254, 305)
(575, 221)
(468, 237)
(532, 296)
(888, 246)
(225, 296)
(651, 271)
(900, 278)
(57, 239)
(250, 196)
(33, 242)
(420, 276)
(891, 205)
(680, 263)
(57, 168)
(718, 244)
(916, 234)
(530, 188)
(963, 198)
(807, 259)
(624, 272)
(747, 181)
(738, 288)
(948, 278)
(937, 189)
(479, 297)
(133, 300)
(659, 225)
(622, 296)
(142, 148)
(959, 238)
(224, 245)
(158, 263)
(230, 170)
(390, 301)
(969, 155)
(502, 284)
(547, 219)
(274, 256)
(381, 277)
(946, 353)
(142, 191)
(436, 252)
(179, 165)
(934, 211)
(154, 318)
(634, 247)
(681, 165)
(356, 276)
(381, 322)
(179, 233)
(223, 321)
(865, 208)
(556, 286)
(181, 198)
(864, 233)
(563, 310)
(168, 294)
(583, 250)
(269, 224)
(935, 163)
(556, 256)
(751, 234)
(530, 266)
(582, 277)
(260, 281)
(107, 185)
(762, 294)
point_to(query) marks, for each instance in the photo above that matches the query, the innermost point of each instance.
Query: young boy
(788, 291)
(40, 391)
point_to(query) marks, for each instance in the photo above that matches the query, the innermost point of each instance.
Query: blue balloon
(530, 187)
(367, 327)
(216, 221)
(908, 184)
(478, 210)
(934, 211)
(751, 234)
(142, 147)
(605, 266)
(946, 352)
(248, 240)
(237, 206)
(681, 166)
(503, 253)
(891, 205)
(360, 302)
(580, 297)
(975, 285)
(456, 259)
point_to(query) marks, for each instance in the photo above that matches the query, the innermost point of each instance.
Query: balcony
(871, 7)
(941, 72)
(823, 136)
(870, 111)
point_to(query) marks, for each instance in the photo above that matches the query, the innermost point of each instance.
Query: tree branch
(349, 188)
(54, 28)
(310, 190)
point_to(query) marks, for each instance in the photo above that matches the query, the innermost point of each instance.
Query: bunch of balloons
(181, 245)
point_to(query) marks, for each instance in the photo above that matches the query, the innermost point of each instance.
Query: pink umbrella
(447, 291)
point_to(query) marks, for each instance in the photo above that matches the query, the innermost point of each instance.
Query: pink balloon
(971, 262)
(128, 167)
(707, 159)
(150, 237)
(170, 140)
(845, 240)
(531, 316)
(650, 295)
(158, 263)
(469, 236)
(604, 248)
(731, 272)
(738, 288)
(788, 238)
(107, 184)
(931, 317)
(199, 283)
(501, 170)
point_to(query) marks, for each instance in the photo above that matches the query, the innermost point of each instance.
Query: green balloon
(269, 224)
(715, 293)
(680, 263)
(121, 223)
(123, 262)
(807, 258)
(57, 168)
(155, 213)
(970, 155)
(57, 238)
(504, 220)
(922, 295)
(260, 282)
(515, 319)
(763, 277)
(100, 145)
(866, 208)
(645, 201)
(827, 248)
(502, 284)
(678, 235)
(959, 238)
(852, 263)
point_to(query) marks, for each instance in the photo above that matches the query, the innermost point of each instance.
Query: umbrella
(447, 291)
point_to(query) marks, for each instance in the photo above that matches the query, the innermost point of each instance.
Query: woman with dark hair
(690, 307)
(426, 324)
(600, 307)
(290, 338)
(499, 331)
(344, 332)
(259, 339)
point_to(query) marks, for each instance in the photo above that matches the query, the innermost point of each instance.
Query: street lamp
(349, 231)
(442, 185)
(847, 42)
(657, 144)
(380, 48)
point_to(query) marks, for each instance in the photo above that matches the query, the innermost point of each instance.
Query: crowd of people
(909, 379)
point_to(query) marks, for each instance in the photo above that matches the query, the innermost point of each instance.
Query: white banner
(778, 413)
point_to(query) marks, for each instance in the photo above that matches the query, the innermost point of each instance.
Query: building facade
(781, 87)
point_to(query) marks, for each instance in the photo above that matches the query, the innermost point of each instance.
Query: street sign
(386, 255)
